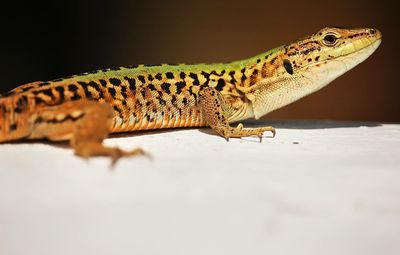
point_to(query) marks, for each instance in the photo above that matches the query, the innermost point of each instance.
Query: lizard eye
(329, 40)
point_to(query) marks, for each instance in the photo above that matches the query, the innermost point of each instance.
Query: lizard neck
(261, 81)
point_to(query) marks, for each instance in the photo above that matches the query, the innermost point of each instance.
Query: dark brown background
(46, 41)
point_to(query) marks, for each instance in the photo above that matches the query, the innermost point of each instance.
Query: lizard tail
(3, 113)
(8, 118)
(14, 113)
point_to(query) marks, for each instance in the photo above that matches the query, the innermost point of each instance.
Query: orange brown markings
(13, 127)
(42, 84)
(164, 121)
(124, 95)
(118, 111)
(187, 117)
(27, 88)
(91, 89)
(61, 93)
(161, 120)
(138, 111)
(59, 119)
(73, 91)
(46, 96)
(264, 70)
(39, 101)
(3, 111)
(149, 121)
(254, 77)
(173, 100)
(112, 92)
(24, 88)
(96, 89)
(168, 119)
(4, 119)
(21, 104)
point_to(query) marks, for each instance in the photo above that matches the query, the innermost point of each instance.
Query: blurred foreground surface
(316, 188)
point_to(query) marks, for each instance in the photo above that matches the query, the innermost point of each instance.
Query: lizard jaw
(321, 74)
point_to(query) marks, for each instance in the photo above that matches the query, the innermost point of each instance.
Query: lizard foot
(240, 131)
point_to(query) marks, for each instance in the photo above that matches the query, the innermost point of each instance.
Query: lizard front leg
(216, 108)
(84, 123)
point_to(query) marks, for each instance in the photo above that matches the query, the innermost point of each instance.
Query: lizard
(84, 109)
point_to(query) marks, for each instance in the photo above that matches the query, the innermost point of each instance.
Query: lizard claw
(273, 131)
(118, 154)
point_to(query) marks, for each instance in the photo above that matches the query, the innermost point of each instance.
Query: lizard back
(142, 97)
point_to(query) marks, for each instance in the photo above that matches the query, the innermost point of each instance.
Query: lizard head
(309, 64)
(330, 52)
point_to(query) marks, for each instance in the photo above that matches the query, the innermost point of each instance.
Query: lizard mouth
(350, 60)
(368, 48)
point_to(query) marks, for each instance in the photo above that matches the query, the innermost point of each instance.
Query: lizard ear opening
(288, 66)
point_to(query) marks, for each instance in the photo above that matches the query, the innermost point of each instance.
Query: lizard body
(86, 108)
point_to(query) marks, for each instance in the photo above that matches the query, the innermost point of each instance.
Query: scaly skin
(166, 96)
